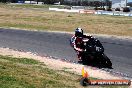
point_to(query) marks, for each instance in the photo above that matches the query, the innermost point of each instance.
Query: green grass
(20, 60)
(29, 73)
(45, 6)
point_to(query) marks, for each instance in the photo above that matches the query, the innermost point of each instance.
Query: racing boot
(79, 59)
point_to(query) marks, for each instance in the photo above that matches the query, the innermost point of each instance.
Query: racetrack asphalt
(57, 44)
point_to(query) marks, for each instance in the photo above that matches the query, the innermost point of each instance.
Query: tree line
(45, 1)
(71, 3)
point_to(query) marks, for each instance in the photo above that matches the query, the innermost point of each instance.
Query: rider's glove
(97, 49)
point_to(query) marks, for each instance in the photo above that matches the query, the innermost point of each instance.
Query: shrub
(95, 8)
(103, 8)
(109, 9)
(126, 9)
(99, 8)
(117, 9)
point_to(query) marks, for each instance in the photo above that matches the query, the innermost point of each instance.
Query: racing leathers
(78, 45)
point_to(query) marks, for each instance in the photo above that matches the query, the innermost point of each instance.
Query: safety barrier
(63, 10)
(87, 11)
(115, 13)
(94, 12)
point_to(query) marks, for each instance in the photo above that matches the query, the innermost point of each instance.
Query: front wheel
(106, 61)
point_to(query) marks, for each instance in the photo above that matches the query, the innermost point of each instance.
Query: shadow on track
(98, 64)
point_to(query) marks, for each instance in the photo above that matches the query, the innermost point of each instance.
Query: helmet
(79, 32)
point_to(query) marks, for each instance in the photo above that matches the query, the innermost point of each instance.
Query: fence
(64, 10)
(115, 13)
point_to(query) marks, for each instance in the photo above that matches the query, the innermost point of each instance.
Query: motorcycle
(93, 53)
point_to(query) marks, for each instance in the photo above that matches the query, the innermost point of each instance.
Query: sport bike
(93, 53)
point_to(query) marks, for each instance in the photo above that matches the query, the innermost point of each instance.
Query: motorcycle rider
(78, 43)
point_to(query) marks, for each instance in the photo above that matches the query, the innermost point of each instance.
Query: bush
(103, 8)
(95, 8)
(99, 8)
(126, 9)
(117, 9)
(109, 9)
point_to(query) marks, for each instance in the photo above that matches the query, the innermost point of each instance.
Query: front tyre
(106, 61)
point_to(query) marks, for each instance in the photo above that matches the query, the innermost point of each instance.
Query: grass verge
(29, 73)
(45, 6)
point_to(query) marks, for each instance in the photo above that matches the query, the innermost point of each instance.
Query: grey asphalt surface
(57, 45)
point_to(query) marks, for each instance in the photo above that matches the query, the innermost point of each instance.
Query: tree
(61, 2)
(50, 1)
